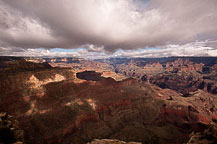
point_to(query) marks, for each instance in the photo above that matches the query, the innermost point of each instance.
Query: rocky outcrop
(208, 136)
(9, 130)
(110, 141)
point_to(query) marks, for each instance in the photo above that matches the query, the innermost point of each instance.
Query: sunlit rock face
(36, 83)
(115, 76)
(53, 105)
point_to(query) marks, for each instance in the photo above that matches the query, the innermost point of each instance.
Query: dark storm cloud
(105, 24)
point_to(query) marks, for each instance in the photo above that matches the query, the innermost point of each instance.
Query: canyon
(143, 100)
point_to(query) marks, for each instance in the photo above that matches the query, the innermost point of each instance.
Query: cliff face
(54, 106)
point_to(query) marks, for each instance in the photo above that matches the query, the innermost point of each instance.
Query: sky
(108, 28)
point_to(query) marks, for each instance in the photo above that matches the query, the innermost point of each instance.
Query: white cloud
(190, 49)
(107, 25)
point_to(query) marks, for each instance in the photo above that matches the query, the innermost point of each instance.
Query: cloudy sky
(108, 28)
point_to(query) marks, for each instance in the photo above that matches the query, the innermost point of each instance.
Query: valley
(73, 100)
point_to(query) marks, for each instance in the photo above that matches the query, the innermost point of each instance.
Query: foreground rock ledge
(208, 136)
(9, 130)
(111, 141)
